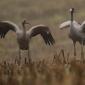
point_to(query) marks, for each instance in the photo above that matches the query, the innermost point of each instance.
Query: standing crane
(77, 32)
(23, 36)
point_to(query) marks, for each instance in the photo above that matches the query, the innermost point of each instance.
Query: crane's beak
(26, 22)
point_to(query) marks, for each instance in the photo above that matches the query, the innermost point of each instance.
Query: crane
(23, 36)
(77, 32)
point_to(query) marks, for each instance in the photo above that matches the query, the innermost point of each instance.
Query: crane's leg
(19, 61)
(29, 57)
(74, 43)
(82, 52)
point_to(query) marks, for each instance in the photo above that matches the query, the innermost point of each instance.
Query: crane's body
(23, 36)
(23, 41)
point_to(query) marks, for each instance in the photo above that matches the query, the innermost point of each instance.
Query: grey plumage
(77, 31)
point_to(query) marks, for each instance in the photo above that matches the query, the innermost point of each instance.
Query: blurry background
(48, 12)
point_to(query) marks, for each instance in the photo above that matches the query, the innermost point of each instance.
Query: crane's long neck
(71, 17)
(24, 30)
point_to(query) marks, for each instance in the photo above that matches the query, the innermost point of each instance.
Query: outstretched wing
(5, 26)
(43, 31)
(67, 24)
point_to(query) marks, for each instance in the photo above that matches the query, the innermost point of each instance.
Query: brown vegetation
(56, 72)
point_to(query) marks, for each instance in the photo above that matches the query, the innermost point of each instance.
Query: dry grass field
(48, 66)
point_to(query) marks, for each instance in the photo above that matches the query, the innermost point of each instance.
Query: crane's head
(71, 10)
(24, 22)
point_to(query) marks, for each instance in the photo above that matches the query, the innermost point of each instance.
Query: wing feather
(6, 26)
(44, 31)
(65, 24)
(45, 38)
(68, 24)
(83, 26)
(51, 39)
